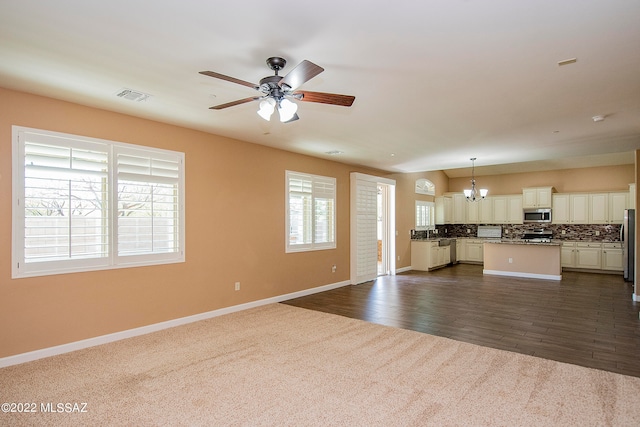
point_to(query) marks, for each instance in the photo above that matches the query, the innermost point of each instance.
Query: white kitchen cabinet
(579, 209)
(443, 256)
(598, 208)
(539, 197)
(473, 212)
(589, 208)
(459, 209)
(474, 251)
(589, 255)
(485, 208)
(612, 256)
(480, 212)
(461, 249)
(631, 201)
(561, 211)
(514, 209)
(607, 208)
(427, 255)
(618, 202)
(421, 254)
(568, 254)
(443, 210)
(499, 209)
(507, 209)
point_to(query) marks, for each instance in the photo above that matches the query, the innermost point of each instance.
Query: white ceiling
(436, 82)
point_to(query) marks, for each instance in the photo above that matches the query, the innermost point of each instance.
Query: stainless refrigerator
(627, 235)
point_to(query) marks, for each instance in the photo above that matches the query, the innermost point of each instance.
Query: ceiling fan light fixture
(287, 110)
(266, 108)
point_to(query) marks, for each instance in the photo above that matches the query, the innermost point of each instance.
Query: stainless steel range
(538, 235)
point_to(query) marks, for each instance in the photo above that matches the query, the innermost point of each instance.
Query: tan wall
(605, 178)
(234, 232)
(405, 208)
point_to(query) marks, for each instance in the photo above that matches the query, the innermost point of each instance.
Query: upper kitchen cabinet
(570, 209)
(539, 197)
(451, 209)
(507, 209)
(607, 208)
(617, 202)
(459, 214)
(589, 208)
(443, 210)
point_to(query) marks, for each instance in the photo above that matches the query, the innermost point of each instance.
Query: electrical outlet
(398, 257)
(333, 268)
(237, 286)
(510, 260)
(506, 231)
(435, 231)
(597, 232)
(564, 231)
(468, 230)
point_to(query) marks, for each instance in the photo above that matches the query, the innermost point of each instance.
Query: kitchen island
(523, 259)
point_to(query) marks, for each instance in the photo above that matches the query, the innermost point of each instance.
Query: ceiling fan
(278, 91)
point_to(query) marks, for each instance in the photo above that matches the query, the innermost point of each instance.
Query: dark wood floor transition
(586, 319)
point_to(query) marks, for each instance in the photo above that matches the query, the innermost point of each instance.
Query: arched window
(424, 186)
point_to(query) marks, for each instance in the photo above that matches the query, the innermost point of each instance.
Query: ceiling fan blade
(233, 103)
(230, 79)
(303, 72)
(326, 98)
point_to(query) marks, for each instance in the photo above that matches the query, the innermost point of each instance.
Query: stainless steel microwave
(536, 215)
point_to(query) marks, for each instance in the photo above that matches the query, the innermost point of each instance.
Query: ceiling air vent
(133, 95)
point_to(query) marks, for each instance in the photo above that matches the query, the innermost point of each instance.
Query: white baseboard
(104, 339)
(525, 275)
(403, 269)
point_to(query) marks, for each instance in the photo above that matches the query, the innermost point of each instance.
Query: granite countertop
(522, 242)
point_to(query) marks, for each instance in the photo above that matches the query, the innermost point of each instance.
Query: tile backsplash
(590, 232)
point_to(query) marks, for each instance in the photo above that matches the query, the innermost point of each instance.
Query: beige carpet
(287, 366)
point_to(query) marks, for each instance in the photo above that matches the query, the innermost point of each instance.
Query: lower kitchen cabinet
(612, 256)
(427, 255)
(474, 251)
(568, 254)
(589, 255)
(592, 255)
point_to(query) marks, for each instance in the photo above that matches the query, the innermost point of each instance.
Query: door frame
(388, 212)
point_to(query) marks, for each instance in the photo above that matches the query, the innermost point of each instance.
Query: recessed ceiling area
(515, 84)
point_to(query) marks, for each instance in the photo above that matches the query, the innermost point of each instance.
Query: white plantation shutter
(310, 212)
(148, 202)
(425, 215)
(84, 204)
(64, 209)
(366, 212)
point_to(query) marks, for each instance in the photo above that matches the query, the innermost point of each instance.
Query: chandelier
(474, 194)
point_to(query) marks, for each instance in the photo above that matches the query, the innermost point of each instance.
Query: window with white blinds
(425, 215)
(84, 204)
(311, 211)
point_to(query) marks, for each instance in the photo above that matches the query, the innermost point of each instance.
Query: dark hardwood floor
(586, 319)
